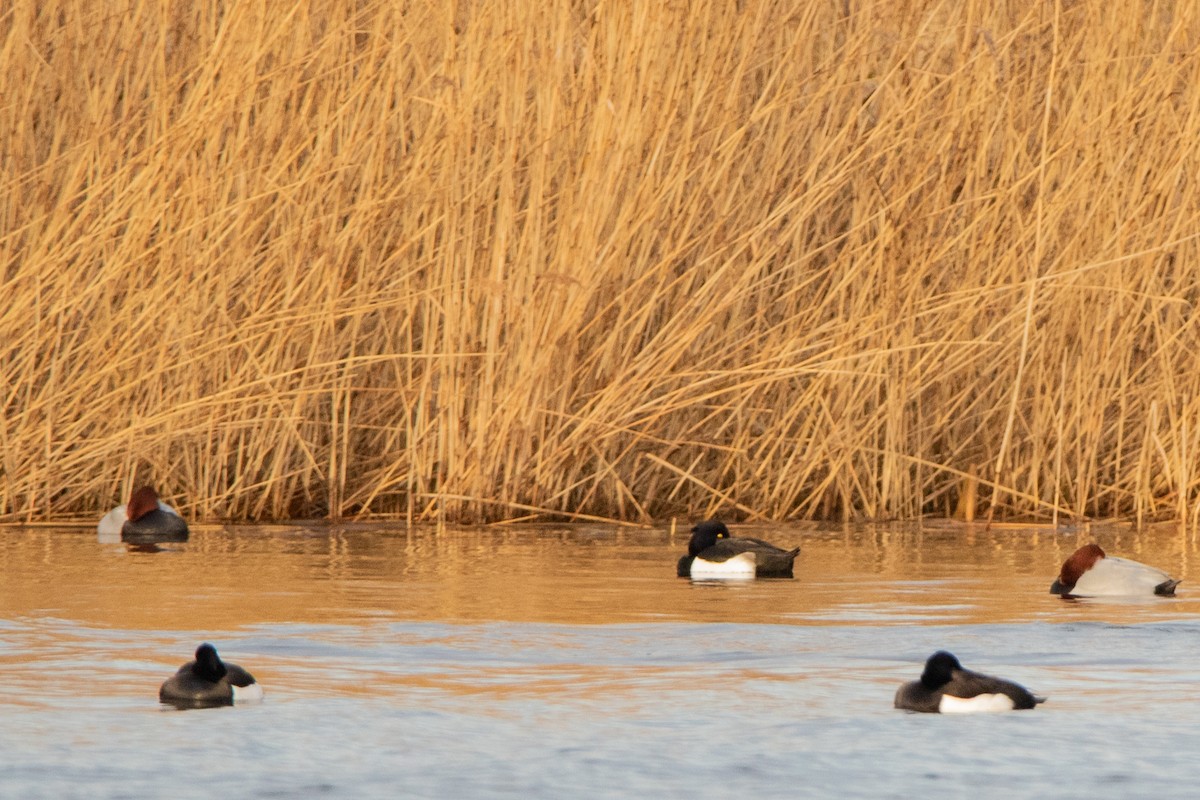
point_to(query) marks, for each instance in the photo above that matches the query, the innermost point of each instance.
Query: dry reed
(623, 260)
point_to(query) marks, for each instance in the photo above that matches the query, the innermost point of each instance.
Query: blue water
(786, 690)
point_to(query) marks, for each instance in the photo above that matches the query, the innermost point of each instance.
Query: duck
(1089, 572)
(144, 518)
(711, 548)
(208, 681)
(946, 687)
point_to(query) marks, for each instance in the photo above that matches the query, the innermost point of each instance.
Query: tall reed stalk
(496, 260)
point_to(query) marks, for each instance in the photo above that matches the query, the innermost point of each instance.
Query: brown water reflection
(226, 578)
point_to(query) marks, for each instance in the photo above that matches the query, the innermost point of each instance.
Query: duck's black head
(705, 535)
(208, 664)
(939, 670)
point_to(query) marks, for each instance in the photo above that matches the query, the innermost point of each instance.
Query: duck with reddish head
(144, 519)
(1089, 572)
(713, 553)
(946, 687)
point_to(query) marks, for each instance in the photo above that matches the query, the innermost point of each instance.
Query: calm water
(569, 661)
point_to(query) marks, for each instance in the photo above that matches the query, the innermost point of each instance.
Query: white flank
(248, 694)
(979, 704)
(110, 523)
(740, 567)
(1114, 576)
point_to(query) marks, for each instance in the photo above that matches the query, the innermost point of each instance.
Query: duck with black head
(144, 519)
(946, 687)
(1090, 572)
(207, 681)
(714, 553)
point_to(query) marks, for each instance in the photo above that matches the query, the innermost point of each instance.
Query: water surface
(558, 661)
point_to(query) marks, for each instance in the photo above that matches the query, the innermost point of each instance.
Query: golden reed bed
(601, 259)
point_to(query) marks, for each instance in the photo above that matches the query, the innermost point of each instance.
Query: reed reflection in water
(569, 660)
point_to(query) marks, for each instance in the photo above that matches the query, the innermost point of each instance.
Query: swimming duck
(946, 687)
(144, 518)
(711, 546)
(208, 681)
(1091, 573)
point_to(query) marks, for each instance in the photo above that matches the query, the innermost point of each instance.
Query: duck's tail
(1167, 587)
